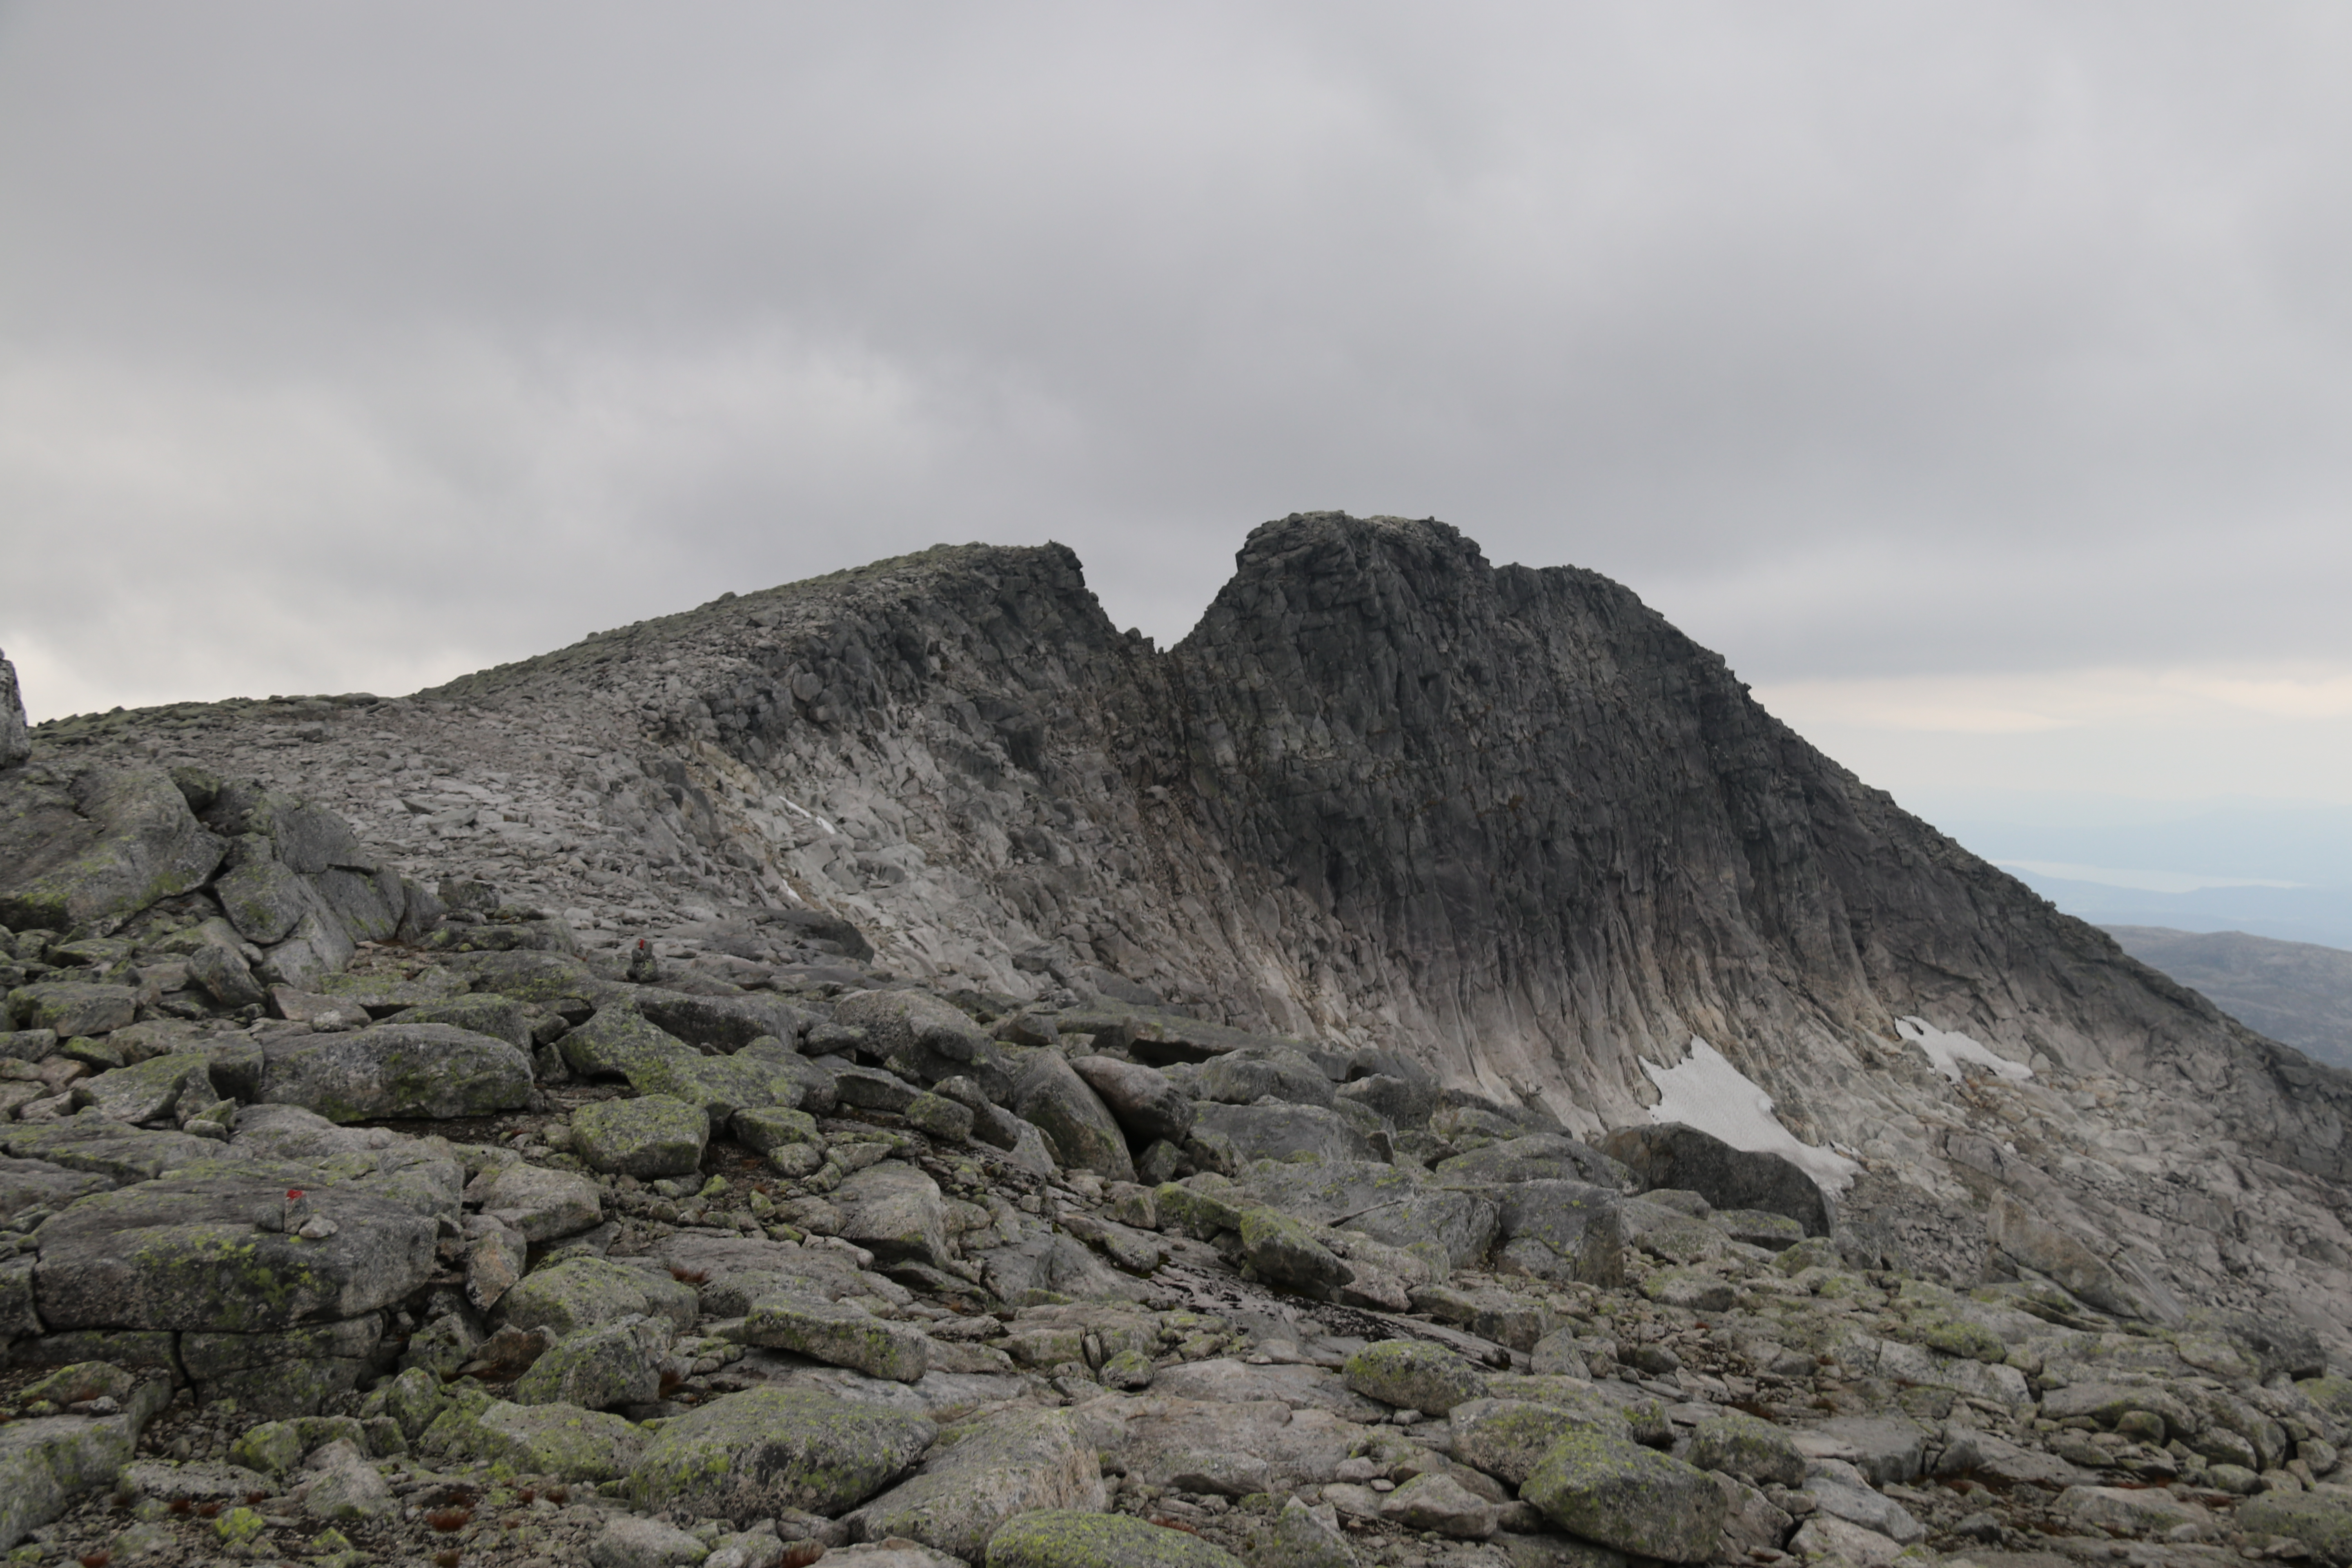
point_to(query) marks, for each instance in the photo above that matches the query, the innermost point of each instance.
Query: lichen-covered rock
(1615, 1492)
(1754, 1450)
(543, 1205)
(1509, 1438)
(1414, 1375)
(2322, 1520)
(396, 1069)
(979, 1476)
(617, 1039)
(653, 1136)
(615, 1363)
(896, 1212)
(764, 1127)
(1067, 1538)
(68, 1008)
(1288, 1254)
(291, 1371)
(1434, 1501)
(628, 1541)
(79, 847)
(837, 1335)
(561, 1441)
(1051, 1096)
(206, 1254)
(347, 1486)
(146, 1090)
(44, 1461)
(756, 1453)
(586, 1292)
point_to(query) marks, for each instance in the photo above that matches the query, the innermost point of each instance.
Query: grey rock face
(83, 846)
(1052, 1097)
(16, 741)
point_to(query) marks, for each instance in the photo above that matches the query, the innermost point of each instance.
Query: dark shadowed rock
(1673, 1155)
(1146, 1103)
(1055, 1099)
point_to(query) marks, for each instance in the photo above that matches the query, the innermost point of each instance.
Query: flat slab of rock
(755, 1454)
(837, 1335)
(396, 1069)
(1060, 1538)
(543, 1205)
(1012, 1464)
(193, 1255)
(1225, 1380)
(588, 1292)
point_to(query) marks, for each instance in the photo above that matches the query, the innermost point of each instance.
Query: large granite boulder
(768, 1451)
(94, 846)
(967, 1489)
(396, 1069)
(216, 1254)
(1055, 1099)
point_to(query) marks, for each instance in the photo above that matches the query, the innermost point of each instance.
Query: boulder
(542, 1204)
(1280, 1132)
(981, 1476)
(2322, 1520)
(71, 1007)
(1246, 1079)
(1414, 1375)
(1434, 1501)
(1052, 1097)
(207, 1254)
(615, 1040)
(346, 1488)
(586, 1292)
(629, 1542)
(1391, 1204)
(718, 1086)
(1143, 1100)
(619, 1363)
(653, 1136)
(16, 735)
(1578, 1223)
(1068, 1537)
(1672, 1154)
(724, 1024)
(758, 1454)
(896, 1212)
(1621, 1495)
(559, 1440)
(396, 1069)
(46, 1460)
(148, 1090)
(93, 846)
(1743, 1445)
(836, 1334)
(1507, 1438)
(291, 1372)
(1288, 1254)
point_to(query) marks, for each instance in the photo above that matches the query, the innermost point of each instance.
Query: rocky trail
(892, 1071)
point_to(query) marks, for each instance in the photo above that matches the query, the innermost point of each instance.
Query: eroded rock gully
(891, 1066)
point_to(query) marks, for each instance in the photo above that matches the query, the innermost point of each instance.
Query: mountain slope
(2292, 991)
(1507, 821)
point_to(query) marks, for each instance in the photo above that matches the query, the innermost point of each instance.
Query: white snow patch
(1947, 1051)
(807, 815)
(1710, 1094)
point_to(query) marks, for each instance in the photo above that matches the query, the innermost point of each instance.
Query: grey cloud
(1854, 337)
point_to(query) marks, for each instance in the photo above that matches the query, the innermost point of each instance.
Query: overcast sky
(1977, 377)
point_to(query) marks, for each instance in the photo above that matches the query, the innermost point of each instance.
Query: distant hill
(2295, 992)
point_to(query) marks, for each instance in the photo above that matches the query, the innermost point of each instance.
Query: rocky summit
(892, 1069)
